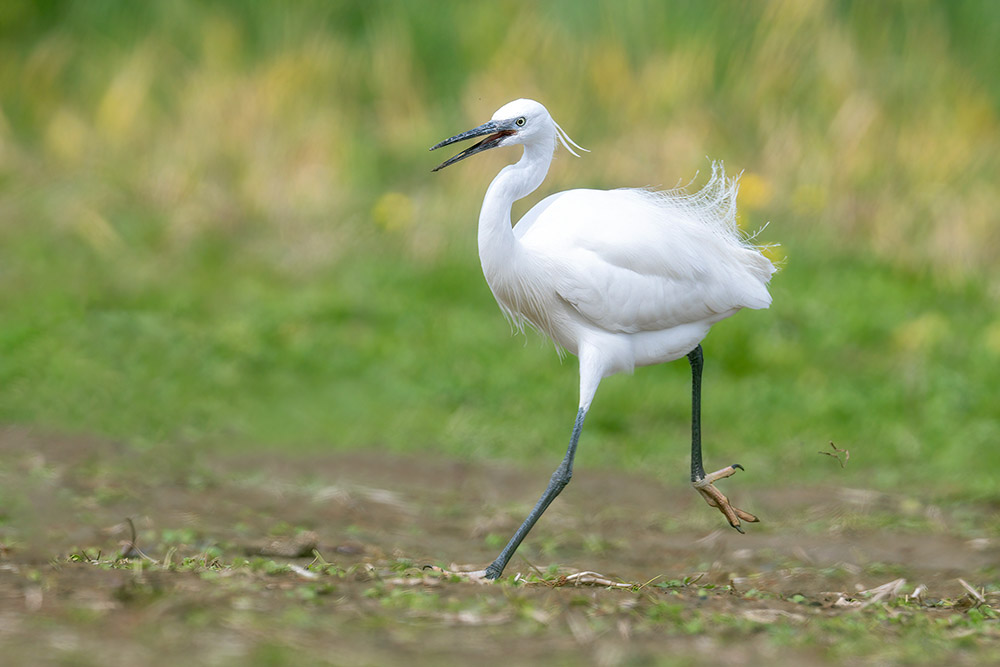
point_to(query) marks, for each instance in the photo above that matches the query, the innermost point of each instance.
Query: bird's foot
(706, 487)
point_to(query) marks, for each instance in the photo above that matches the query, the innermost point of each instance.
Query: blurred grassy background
(219, 226)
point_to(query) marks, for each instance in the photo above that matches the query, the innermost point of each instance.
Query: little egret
(620, 278)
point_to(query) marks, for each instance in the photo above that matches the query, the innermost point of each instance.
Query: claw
(716, 499)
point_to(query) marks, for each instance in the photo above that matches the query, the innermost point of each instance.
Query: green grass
(223, 254)
(419, 359)
(219, 226)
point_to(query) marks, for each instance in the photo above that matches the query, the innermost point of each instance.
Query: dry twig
(836, 454)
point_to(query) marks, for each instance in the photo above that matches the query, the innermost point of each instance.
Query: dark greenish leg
(703, 483)
(560, 478)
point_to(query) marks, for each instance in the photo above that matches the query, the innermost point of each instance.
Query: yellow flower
(756, 191)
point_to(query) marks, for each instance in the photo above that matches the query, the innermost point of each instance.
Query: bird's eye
(521, 121)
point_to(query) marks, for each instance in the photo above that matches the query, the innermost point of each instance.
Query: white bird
(620, 278)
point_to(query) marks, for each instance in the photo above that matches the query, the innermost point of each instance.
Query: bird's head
(519, 122)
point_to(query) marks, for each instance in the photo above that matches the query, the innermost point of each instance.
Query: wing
(633, 260)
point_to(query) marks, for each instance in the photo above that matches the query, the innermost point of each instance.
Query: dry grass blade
(918, 594)
(592, 579)
(642, 586)
(845, 601)
(884, 593)
(972, 599)
(303, 572)
(836, 454)
(463, 572)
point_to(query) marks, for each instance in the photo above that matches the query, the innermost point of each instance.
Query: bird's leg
(560, 478)
(703, 483)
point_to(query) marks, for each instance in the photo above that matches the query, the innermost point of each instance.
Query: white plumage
(620, 278)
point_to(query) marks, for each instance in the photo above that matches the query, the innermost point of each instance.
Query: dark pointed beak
(496, 129)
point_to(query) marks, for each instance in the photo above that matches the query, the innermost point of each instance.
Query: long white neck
(497, 245)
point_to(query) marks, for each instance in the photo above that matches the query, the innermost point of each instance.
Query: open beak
(496, 129)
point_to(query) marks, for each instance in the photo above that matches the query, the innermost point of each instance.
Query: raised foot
(715, 498)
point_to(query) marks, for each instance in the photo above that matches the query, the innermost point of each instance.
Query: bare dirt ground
(266, 559)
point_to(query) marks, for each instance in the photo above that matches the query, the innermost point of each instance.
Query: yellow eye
(521, 121)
